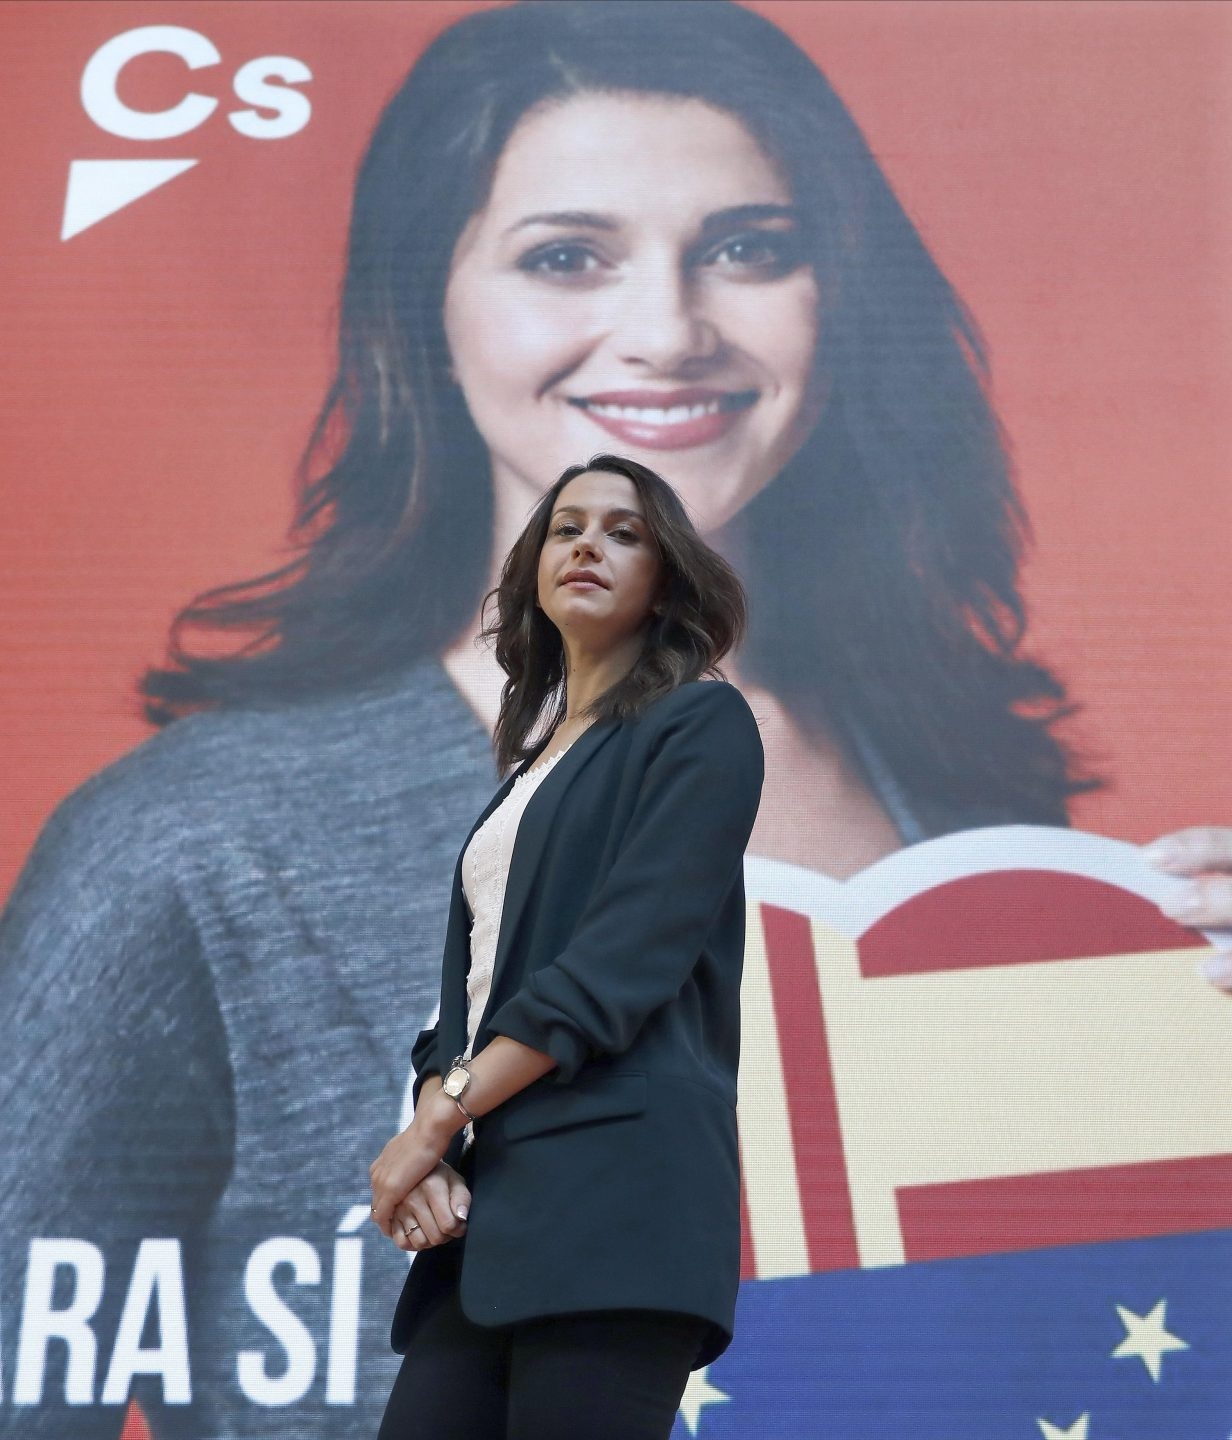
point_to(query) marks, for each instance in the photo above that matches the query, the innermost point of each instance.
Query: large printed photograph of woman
(577, 227)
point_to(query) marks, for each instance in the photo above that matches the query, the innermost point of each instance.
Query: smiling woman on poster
(577, 226)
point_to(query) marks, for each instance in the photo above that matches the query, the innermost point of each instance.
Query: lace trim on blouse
(485, 872)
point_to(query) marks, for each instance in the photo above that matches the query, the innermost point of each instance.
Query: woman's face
(599, 568)
(636, 283)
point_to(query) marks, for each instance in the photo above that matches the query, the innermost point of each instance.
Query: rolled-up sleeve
(425, 1058)
(645, 927)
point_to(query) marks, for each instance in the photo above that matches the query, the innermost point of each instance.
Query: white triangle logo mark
(98, 188)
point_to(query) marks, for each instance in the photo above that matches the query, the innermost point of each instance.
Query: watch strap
(459, 1063)
(457, 1100)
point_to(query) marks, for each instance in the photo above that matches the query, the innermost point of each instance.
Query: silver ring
(406, 1229)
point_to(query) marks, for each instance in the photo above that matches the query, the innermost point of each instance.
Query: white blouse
(485, 871)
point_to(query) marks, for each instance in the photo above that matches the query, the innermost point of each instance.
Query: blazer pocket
(619, 1096)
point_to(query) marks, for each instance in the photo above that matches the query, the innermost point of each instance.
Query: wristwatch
(457, 1079)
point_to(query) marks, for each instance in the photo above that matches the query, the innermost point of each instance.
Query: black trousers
(605, 1375)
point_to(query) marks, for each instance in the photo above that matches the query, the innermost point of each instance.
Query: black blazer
(613, 1181)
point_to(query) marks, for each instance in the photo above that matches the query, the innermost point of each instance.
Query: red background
(1067, 163)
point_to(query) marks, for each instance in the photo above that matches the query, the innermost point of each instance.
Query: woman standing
(597, 1039)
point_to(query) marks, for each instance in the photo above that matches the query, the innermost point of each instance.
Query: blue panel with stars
(1123, 1341)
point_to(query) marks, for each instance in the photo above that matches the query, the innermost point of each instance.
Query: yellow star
(1077, 1431)
(1146, 1337)
(698, 1393)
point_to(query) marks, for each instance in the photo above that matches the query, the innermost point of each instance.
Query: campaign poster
(923, 308)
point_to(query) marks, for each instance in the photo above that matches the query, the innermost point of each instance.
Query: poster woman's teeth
(646, 415)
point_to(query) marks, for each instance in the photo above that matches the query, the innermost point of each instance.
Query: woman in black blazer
(595, 1120)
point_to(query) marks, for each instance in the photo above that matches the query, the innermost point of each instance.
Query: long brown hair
(698, 617)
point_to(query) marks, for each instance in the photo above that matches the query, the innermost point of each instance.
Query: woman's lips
(578, 579)
(666, 420)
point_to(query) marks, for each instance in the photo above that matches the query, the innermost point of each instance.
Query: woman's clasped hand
(415, 1196)
(433, 1213)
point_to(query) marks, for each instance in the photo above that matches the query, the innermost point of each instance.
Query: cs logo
(98, 188)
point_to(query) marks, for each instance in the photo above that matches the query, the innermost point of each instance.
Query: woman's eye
(758, 252)
(565, 528)
(624, 534)
(559, 258)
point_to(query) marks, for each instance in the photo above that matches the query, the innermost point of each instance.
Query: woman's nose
(661, 325)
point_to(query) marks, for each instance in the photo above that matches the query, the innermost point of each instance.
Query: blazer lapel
(533, 830)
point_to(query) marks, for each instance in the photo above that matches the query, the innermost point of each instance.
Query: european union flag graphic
(987, 1169)
(1129, 1341)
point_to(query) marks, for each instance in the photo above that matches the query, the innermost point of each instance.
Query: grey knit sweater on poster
(211, 973)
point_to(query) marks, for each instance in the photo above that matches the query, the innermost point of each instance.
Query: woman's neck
(590, 671)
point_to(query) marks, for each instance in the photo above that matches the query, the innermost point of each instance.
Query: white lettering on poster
(344, 1310)
(102, 103)
(98, 188)
(41, 1324)
(66, 1280)
(158, 1284)
(283, 1324)
(291, 108)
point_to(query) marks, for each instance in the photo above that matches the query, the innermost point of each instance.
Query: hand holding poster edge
(977, 1032)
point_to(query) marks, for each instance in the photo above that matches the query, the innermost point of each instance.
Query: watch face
(454, 1083)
